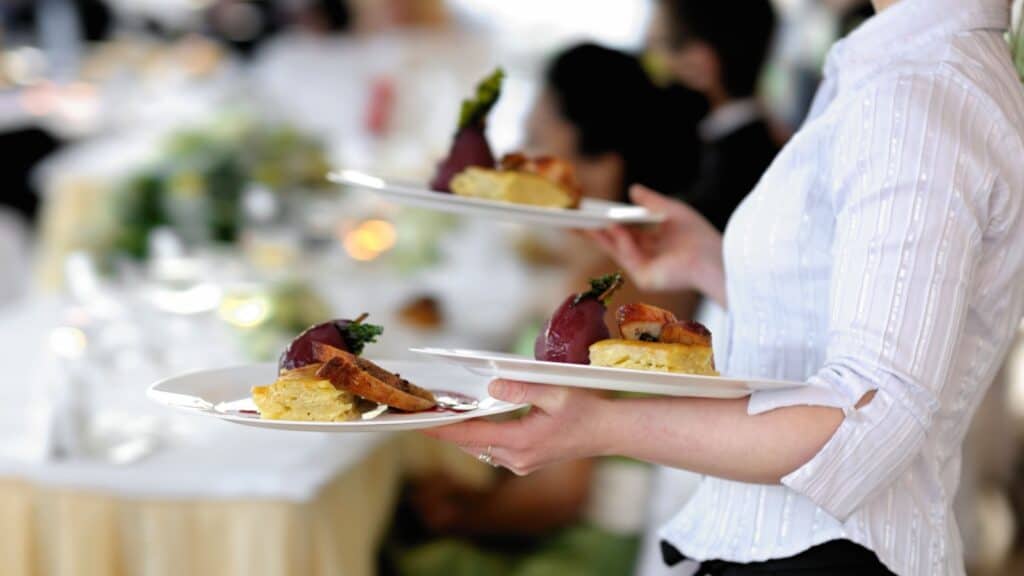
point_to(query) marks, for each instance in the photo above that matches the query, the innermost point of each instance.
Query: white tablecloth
(195, 457)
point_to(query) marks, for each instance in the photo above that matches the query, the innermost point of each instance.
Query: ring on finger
(487, 457)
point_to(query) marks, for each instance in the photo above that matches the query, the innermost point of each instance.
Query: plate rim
(155, 394)
(489, 356)
(417, 192)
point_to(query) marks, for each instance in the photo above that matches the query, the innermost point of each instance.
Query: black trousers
(838, 557)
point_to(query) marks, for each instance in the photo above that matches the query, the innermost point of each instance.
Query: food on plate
(470, 146)
(653, 339)
(469, 169)
(543, 181)
(577, 323)
(643, 321)
(322, 378)
(349, 335)
(686, 332)
(423, 312)
(367, 380)
(302, 395)
(654, 356)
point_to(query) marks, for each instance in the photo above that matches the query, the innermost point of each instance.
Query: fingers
(601, 238)
(478, 434)
(540, 395)
(626, 249)
(505, 442)
(621, 245)
(644, 196)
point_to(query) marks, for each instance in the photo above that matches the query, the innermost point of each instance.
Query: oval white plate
(492, 365)
(592, 214)
(225, 393)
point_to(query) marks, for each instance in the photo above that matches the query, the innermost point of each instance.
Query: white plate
(225, 393)
(513, 367)
(592, 214)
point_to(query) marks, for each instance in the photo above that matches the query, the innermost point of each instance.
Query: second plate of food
(514, 367)
(227, 393)
(591, 214)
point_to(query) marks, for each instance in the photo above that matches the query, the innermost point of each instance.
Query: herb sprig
(357, 334)
(601, 289)
(475, 109)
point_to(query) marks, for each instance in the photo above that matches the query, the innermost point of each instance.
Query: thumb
(644, 196)
(517, 392)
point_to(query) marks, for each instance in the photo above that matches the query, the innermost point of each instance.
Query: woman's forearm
(716, 437)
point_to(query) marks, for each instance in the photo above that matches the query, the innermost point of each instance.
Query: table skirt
(56, 531)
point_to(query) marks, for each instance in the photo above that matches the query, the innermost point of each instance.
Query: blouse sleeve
(908, 203)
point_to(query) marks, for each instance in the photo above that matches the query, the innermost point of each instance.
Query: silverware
(455, 404)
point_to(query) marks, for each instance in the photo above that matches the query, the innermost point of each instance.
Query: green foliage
(475, 110)
(358, 335)
(601, 288)
(139, 209)
(583, 551)
(197, 185)
(451, 558)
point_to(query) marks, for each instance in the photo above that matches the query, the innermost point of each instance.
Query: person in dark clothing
(95, 20)
(23, 150)
(733, 157)
(599, 110)
(719, 49)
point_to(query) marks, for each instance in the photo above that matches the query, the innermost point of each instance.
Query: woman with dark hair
(599, 110)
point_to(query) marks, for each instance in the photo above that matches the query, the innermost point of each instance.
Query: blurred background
(164, 207)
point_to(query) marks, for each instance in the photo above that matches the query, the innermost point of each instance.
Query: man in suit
(719, 49)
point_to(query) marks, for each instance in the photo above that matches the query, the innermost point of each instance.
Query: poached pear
(577, 323)
(469, 146)
(348, 335)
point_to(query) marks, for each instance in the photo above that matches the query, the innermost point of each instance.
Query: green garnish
(357, 334)
(474, 110)
(601, 289)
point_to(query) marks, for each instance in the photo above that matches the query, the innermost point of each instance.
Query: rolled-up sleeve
(908, 206)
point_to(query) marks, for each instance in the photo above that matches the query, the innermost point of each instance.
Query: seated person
(705, 47)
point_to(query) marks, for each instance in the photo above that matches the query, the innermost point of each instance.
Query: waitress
(881, 261)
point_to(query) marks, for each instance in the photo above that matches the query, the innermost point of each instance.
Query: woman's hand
(564, 424)
(682, 253)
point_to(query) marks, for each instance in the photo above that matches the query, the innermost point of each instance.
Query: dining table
(99, 481)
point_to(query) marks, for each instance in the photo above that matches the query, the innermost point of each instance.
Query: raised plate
(592, 214)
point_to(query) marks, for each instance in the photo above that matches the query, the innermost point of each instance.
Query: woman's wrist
(604, 437)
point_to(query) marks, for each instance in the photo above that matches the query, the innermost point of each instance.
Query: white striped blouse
(883, 250)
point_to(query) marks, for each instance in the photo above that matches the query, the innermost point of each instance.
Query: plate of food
(655, 352)
(516, 188)
(322, 383)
